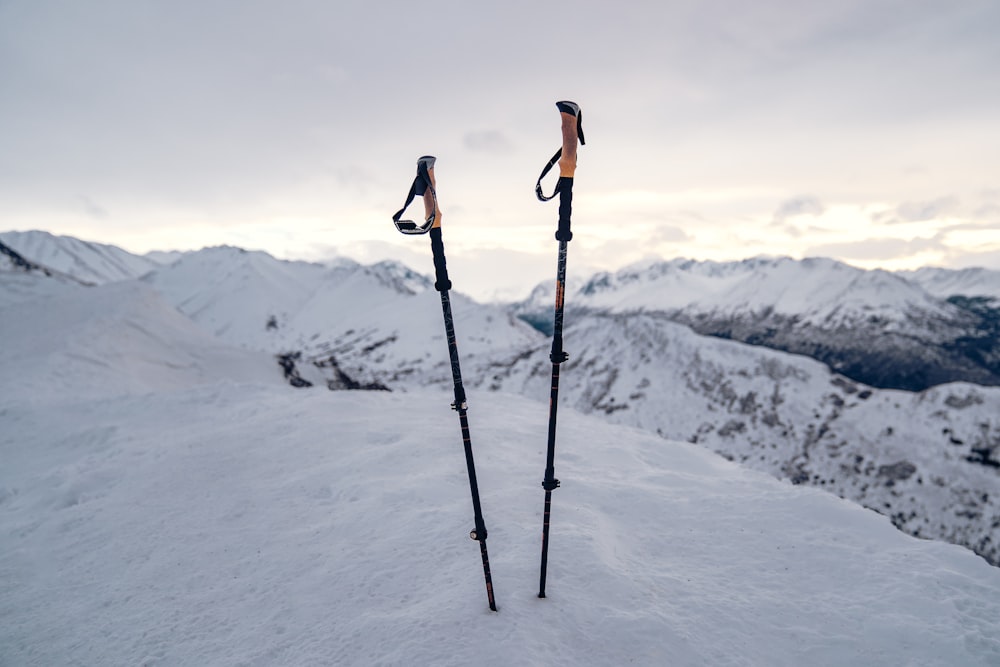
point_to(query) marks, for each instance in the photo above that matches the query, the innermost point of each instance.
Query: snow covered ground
(168, 500)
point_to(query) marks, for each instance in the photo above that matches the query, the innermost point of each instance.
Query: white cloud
(488, 141)
(926, 210)
(805, 205)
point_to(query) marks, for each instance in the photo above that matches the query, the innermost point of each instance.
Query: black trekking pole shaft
(558, 356)
(567, 168)
(442, 284)
(479, 532)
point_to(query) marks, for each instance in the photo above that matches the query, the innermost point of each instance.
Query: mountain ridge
(876, 327)
(87, 261)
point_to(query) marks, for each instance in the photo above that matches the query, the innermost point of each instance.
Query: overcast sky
(864, 130)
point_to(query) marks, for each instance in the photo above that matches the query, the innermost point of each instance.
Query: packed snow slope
(175, 520)
(117, 338)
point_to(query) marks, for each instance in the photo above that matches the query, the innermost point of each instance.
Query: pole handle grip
(424, 187)
(570, 133)
(431, 208)
(572, 136)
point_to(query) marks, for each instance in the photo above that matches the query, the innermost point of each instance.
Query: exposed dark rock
(342, 380)
(959, 402)
(17, 260)
(899, 471)
(287, 362)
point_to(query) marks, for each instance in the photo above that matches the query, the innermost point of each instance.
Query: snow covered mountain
(22, 279)
(235, 294)
(944, 283)
(927, 460)
(333, 324)
(930, 461)
(872, 326)
(88, 262)
(166, 498)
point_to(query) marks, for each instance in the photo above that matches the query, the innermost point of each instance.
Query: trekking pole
(572, 130)
(425, 185)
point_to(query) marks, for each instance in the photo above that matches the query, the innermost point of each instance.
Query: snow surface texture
(117, 338)
(179, 506)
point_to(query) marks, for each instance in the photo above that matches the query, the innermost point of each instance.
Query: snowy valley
(168, 498)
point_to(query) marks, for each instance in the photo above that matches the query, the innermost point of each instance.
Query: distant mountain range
(930, 460)
(911, 330)
(86, 261)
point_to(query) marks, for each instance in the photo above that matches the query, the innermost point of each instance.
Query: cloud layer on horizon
(715, 129)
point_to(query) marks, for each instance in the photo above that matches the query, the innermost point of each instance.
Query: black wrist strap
(421, 183)
(538, 186)
(555, 158)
